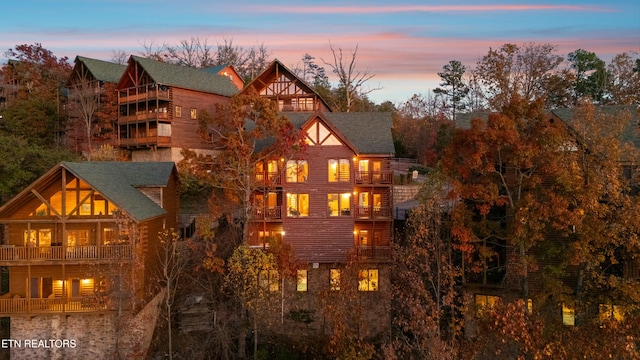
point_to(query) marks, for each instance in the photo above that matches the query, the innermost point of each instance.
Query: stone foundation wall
(84, 336)
(81, 336)
(404, 192)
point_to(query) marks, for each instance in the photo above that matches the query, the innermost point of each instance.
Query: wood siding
(322, 236)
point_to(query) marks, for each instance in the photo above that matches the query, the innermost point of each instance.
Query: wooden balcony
(152, 94)
(266, 213)
(151, 116)
(160, 141)
(268, 178)
(375, 212)
(19, 305)
(23, 255)
(374, 253)
(374, 177)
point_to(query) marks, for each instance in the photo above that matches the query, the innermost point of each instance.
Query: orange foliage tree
(246, 131)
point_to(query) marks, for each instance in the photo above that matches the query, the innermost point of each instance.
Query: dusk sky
(404, 44)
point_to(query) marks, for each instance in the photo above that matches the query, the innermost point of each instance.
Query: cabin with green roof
(84, 237)
(160, 105)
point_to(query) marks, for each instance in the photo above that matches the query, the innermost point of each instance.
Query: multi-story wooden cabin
(333, 202)
(160, 105)
(82, 240)
(290, 93)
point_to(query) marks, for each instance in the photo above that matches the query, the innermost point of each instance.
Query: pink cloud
(422, 8)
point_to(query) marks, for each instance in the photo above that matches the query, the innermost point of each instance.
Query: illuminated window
(178, 111)
(78, 238)
(297, 205)
(29, 238)
(611, 312)
(194, 114)
(265, 237)
(302, 280)
(44, 237)
(334, 279)
(269, 279)
(339, 170)
(363, 237)
(297, 171)
(484, 302)
(568, 315)
(368, 280)
(302, 104)
(273, 170)
(339, 204)
(108, 236)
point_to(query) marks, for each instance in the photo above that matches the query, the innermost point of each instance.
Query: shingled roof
(102, 70)
(630, 133)
(185, 77)
(118, 182)
(369, 132)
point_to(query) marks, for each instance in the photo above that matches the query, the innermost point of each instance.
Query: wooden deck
(10, 255)
(24, 306)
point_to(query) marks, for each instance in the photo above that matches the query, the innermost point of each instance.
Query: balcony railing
(106, 252)
(143, 117)
(367, 212)
(269, 178)
(19, 305)
(273, 212)
(162, 141)
(152, 94)
(374, 177)
(379, 253)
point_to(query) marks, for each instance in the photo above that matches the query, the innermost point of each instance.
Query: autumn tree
(623, 82)
(36, 114)
(516, 71)
(500, 168)
(453, 86)
(547, 198)
(427, 304)
(605, 234)
(246, 131)
(252, 281)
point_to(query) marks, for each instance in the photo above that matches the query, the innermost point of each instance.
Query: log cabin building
(160, 104)
(81, 243)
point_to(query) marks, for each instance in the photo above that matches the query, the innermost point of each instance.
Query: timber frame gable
(289, 92)
(95, 70)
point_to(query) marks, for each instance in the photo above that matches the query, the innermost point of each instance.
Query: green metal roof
(118, 182)
(102, 70)
(186, 77)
